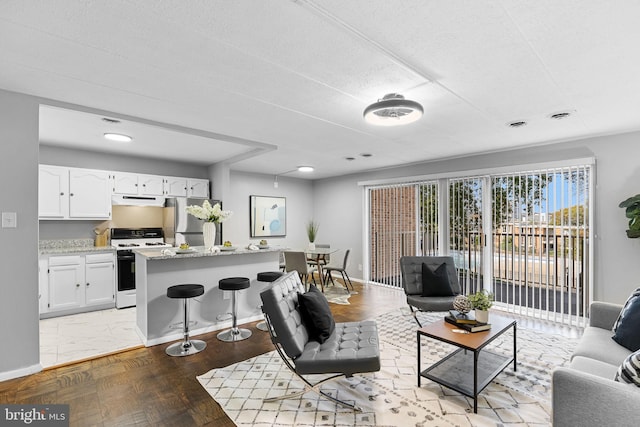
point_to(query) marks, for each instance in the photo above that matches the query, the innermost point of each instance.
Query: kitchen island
(158, 317)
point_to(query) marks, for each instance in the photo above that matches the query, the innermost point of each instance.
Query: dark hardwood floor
(145, 387)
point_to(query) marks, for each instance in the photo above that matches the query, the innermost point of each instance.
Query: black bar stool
(234, 284)
(186, 346)
(267, 276)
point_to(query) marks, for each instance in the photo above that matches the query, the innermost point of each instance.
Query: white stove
(124, 240)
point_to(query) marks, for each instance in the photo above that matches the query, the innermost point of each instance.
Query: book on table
(468, 318)
(471, 327)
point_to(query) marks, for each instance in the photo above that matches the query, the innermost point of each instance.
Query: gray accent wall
(339, 202)
(19, 333)
(300, 208)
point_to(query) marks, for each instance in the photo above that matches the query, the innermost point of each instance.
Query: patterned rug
(391, 397)
(337, 293)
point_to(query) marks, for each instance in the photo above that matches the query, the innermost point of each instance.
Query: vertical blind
(523, 236)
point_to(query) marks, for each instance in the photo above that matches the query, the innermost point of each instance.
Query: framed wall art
(268, 216)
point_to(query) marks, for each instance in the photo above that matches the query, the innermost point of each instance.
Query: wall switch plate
(9, 220)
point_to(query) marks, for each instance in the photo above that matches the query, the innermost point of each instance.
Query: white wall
(19, 333)
(340, 201)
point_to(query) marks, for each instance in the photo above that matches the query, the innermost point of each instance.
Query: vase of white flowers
(211, 215)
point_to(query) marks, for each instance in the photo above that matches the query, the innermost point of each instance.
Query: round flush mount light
(393, 110)
(118, 137)
(305, 168)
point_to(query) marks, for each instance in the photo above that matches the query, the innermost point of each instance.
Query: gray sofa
(585, 393)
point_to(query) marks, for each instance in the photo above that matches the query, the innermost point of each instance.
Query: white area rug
(391, 397)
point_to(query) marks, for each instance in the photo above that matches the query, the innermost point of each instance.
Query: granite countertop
(70, 246)
(198, 252)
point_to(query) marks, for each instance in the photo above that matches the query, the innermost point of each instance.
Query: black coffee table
(470, 368)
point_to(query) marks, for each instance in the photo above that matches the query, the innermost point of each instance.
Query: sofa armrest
(581, 399)
(604, 314)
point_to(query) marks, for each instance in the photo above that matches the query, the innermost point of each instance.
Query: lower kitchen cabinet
(77, 283)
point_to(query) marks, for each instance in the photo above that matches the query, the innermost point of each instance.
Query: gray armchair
(411, 269)
(351, 348)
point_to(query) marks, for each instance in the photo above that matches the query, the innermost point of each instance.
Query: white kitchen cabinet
(66, 287)
(198, 188)
(175, 187)
(151, 185)
(73, 193)
(76, 283)
(137, 184)
(99, 279)
(43, 284)
(89, 194)
(53, 192)
(125, 183)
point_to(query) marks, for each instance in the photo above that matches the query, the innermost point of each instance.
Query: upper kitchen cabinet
(151, 185)
(53, 192)
(125, 183)
(71, 193)
(137, 184)
(175, 187)
(89, 194)
(198, 188)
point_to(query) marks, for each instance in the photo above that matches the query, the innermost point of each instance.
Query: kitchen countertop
(70, 246)
(199, 251)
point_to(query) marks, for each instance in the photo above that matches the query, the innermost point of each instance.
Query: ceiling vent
(560, 116)
(517, 124)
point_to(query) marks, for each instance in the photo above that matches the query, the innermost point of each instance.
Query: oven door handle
(126, 257)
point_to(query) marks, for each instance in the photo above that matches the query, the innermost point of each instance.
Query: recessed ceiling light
(108, 120)
(393, 110)
(517, 124)
(561, 115)
(305, 168)
(350, 158)
(118, 137)
(366, 155)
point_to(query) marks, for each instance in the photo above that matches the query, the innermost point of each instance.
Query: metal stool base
(233, 335)
(262, 326)
(185, 349)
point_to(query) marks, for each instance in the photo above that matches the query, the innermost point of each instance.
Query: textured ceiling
(268, 86)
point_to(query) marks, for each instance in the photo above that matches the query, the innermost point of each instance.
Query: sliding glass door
(524, 236)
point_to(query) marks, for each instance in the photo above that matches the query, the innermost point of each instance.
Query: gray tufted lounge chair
(351, 349)
(411, 268)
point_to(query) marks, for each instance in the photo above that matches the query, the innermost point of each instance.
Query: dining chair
(339, 267)
(297, 261)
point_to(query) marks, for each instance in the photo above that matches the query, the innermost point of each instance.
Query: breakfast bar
(158, 317)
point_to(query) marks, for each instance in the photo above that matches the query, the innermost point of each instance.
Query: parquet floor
(145, 387)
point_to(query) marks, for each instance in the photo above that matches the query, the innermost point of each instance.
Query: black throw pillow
(316, 314)
(436, 283)
(628, 325)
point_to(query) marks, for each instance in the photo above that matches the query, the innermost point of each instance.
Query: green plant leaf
(635, 200)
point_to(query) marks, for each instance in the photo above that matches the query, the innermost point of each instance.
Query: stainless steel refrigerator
(180, 227)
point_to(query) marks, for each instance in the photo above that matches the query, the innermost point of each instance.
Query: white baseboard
(22, 372)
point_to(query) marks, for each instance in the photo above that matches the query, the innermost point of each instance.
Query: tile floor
(80, 336)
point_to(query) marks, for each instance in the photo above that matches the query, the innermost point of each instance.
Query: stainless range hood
(117, 200)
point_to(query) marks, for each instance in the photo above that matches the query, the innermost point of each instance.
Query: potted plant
(481, 301)
(632, 212)
(312, 232)
(211, 215)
